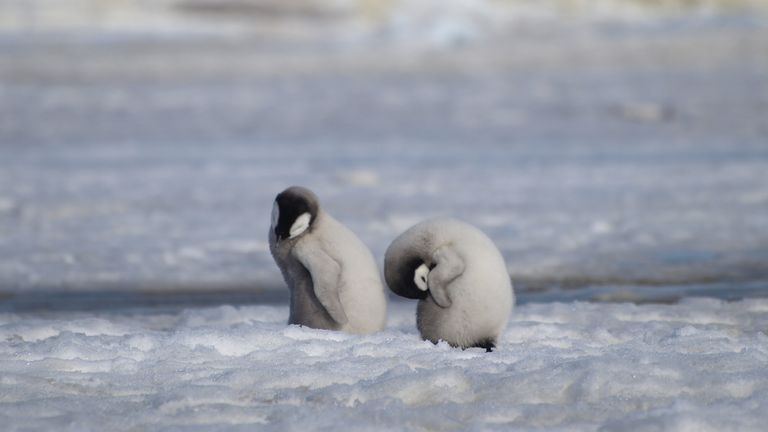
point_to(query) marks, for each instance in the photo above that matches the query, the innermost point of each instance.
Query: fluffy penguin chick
(460, 278)
(332, 275)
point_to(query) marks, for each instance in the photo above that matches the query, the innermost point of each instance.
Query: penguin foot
(488, 344)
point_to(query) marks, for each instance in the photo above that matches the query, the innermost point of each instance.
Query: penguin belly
(305, 308)
(477, 316)
(361, 290)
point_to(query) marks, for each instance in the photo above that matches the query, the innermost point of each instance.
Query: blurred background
(613, 149)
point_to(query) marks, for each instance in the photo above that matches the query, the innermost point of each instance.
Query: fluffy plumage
(332, 275)
(469, 296)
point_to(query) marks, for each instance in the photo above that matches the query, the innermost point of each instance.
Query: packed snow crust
(698, 365)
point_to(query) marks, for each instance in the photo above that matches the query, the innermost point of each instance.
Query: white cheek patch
(420, 277)
(300, 225)
(275, 214)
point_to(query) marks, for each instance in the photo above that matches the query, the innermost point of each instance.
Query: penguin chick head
(293, 213)
(407, 276)
(421, 276)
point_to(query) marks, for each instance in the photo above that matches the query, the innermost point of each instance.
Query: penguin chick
(333, 277)
(460, 278)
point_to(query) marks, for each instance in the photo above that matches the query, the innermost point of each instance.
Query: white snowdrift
(698, 365)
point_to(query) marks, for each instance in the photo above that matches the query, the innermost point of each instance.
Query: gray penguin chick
(460, 278)
(333, 277)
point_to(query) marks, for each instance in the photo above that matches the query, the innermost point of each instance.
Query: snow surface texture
(696, 366)
(619, 155)
(611, 156)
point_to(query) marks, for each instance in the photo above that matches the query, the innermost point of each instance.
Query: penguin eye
(420, 277)
(275, 214)
(300, 225)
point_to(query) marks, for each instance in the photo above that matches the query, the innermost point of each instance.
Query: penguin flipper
(448, 266)
(326, 276)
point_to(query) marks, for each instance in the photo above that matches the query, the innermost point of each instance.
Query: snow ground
(618, 156)
(628, 160)
(694, 366)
